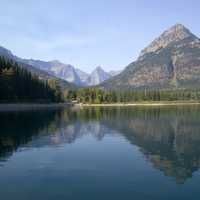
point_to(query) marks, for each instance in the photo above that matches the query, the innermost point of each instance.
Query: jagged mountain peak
(178, 28)
(65, 71)
(175, 33)
(100, 72)
(98, 68)
(97, 76)
(171, 61)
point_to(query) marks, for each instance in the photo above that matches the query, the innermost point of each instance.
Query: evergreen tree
(19, 85)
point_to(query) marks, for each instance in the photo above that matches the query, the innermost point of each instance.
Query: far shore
(166, 103)
(4, 107)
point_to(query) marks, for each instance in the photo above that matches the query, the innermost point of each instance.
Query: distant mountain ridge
(97, 76)
(71, 74)
(56, 68)
(42, 74)
(172, 61)
(65, 72)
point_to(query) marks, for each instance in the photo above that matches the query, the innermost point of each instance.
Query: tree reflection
(169, 137)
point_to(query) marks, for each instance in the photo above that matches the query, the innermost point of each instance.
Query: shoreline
(6, 107)
(187, 103)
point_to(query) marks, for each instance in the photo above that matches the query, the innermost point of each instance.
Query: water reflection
(169, 137)
(17, 129)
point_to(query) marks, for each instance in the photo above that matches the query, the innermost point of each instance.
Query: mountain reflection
(169, 137)
(45, 128)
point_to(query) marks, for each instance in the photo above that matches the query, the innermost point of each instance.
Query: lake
(101, 153)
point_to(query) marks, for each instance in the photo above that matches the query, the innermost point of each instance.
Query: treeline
(19, 85)
(96, 95)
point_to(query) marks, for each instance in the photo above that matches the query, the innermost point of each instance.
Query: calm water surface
(100, 153)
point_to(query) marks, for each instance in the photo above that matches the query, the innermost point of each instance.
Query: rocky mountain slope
(72, 74)
(83, 76)
(63, 71)
(170, 61)
(42, 74)
(68, 75)
(97, 77)
(114, 73)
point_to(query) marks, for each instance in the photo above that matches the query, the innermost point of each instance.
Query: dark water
(101, 153)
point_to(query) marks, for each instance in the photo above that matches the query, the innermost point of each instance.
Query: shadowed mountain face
(169, 138)
(170, 61)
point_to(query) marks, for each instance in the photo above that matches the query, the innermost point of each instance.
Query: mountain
(171, 61)
(114, 73)
(66, 73)
(63, 71)
(42, 74)
(17, 84)
(83, 76)
(9, 55)
(97, 77)
(6, 53)
(70, 73)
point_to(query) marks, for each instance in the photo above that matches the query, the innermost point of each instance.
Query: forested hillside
(19, 85)
(96, 95)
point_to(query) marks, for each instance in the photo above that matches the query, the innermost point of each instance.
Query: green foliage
(19, 85)
(96, 95)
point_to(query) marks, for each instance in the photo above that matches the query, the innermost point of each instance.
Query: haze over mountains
(63, 71)
(71, 74)
(171, 61)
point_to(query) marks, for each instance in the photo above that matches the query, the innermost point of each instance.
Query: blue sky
(88, 33)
